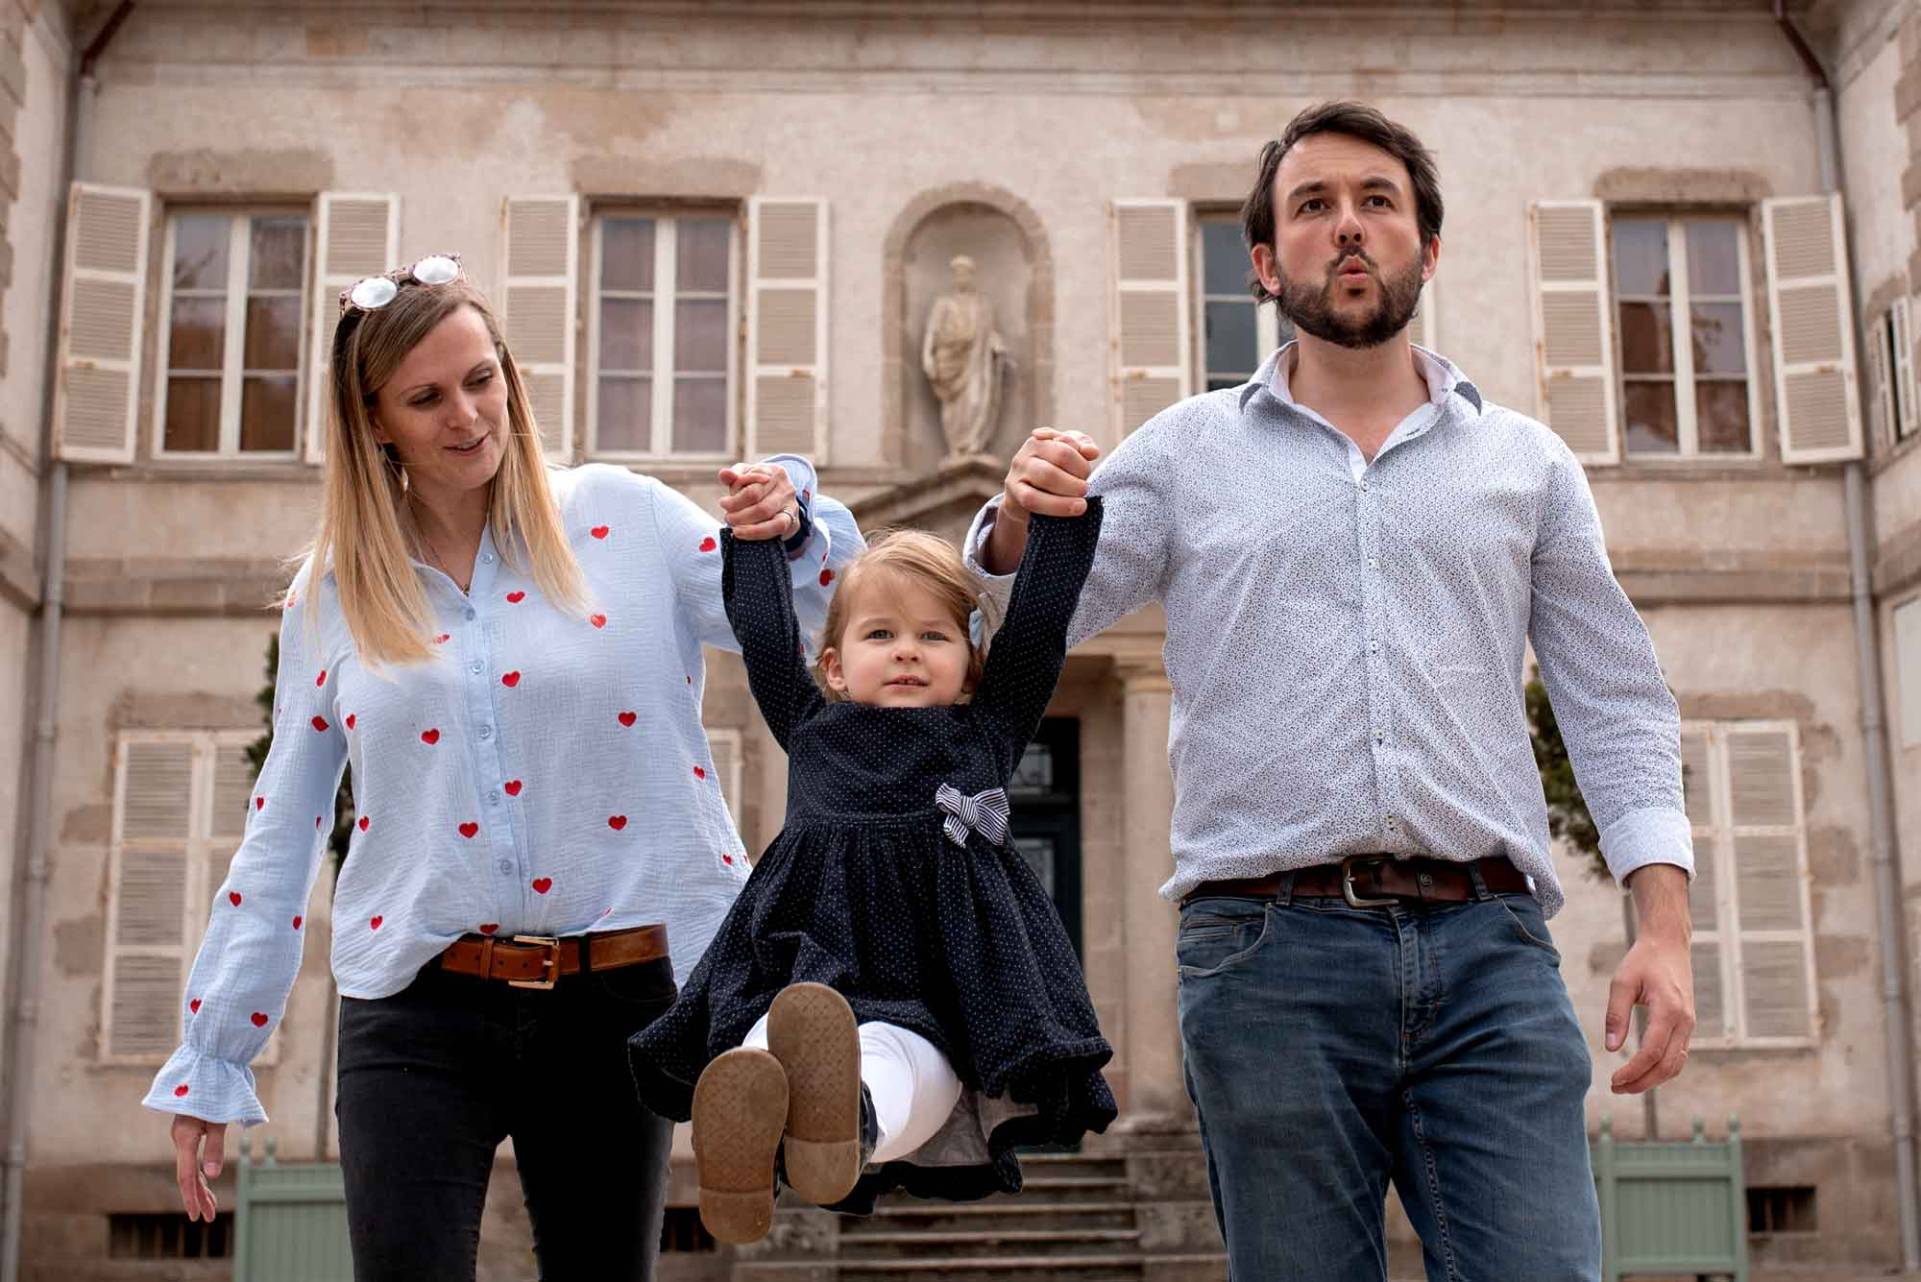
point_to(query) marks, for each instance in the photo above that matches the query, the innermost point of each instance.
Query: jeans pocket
(649, 985)
(1217, 935)
(1524, 914)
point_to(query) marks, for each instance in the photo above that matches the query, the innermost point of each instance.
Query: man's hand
(1658, 973)
(1049, 476)
(191, 1170)
(760, 503)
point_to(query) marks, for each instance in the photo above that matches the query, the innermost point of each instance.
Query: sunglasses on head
(372, 293)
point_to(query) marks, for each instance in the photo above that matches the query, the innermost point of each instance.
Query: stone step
(1073, 1164)
(998, 1268)
(894, 1217)
(1068, 1188)
(984, 1242)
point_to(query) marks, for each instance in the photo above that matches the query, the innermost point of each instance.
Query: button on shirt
(546, 774)
(1346, 638)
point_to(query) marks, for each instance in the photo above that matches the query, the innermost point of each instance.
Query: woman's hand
(760, 503)
(192, 1169)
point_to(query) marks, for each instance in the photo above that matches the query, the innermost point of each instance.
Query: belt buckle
(1347, 883)
(550, 964)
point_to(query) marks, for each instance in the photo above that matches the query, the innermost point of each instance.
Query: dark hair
(1356, 120)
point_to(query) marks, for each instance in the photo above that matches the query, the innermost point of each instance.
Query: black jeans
(435, 1076)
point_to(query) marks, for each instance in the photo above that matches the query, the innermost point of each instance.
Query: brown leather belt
(537, 961)
(1378, 881)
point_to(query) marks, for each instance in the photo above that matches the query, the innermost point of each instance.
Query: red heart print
(826, 577)
(194, 1005)
(513, 787)
(443, 638)
(430, 737)
(316, 823)
(468, 830)
(599, 531)
(699, 773)
(259, 803)
(320, 724)
(515, 598)
(297, 920)
(364, 821)
(616, 822)
(510, 679)
(259, 1020)
(233, 897)
(627, 718)
(542, 885)
(728, 860)
(180, 1091)
(320, 680)
(374, 924)
(489, 927)
(707, 544)
(290, 600)
(598, 620)
(350, 721)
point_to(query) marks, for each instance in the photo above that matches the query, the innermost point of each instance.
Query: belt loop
(1479, 882)
(487, 957)
(585, 961)
(1284, 896)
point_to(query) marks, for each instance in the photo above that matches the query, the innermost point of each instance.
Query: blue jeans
(1332, 1049)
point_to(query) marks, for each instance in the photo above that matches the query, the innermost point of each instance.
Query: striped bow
(984, 812)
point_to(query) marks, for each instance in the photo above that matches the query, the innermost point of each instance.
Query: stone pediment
(941, 502)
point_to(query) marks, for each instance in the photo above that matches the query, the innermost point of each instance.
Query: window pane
(700, 415)
(627, 253)
(1714, 258)
(625, 414)
(198, 338)
(701, 254)
(273, 333)
(1224, 262)
(1719, 346)
(1232, 345)
(1647, 338)
(1640, 256)
(700, 335)
(200, 251)
(626, 334)
(1217, 384)
(266, 412)
(1721, 416)
(1650, 417)
(193, 414)
(279, 253)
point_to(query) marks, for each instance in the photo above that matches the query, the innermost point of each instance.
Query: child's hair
(916, 556)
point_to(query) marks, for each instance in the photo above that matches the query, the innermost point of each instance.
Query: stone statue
(965, 362)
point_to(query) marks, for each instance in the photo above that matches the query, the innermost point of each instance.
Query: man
(1353, 550)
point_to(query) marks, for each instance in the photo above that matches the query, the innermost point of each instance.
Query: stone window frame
(669, 213)
(229, 450)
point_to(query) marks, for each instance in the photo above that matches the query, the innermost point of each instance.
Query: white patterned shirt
(546, 774)
(1346, 638)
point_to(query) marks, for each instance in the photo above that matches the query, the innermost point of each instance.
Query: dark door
(1046, 797)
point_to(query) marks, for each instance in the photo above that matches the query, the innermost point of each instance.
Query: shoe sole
(740, 1107)
(811, 1031)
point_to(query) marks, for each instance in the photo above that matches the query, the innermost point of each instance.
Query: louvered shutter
(148, 900)
(1770, 890)
(96, 396)
(538, 305)
(1152, 346)
(355, 235)
(787, 283)
(1698, 782)
(1907, 390)
(1883, 415)
(1816, 401)
(1574, 327)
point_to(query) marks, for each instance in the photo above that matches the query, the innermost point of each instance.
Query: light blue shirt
(1346, 638)
(546, 774)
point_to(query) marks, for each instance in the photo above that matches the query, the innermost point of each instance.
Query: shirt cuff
(977, 536)
(1650, 835)
(801, 473)
(215, 1090)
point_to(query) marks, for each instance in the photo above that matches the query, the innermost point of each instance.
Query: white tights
(913, 1085)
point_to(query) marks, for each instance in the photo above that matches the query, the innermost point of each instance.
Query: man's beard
(1311, 308)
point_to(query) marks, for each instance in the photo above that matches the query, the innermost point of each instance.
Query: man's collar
(1440, 374)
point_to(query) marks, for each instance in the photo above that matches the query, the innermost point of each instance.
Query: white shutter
(1815, 398)
(1770, 889)
(787, 282)
(148, 905)
(1710, 1002)
(1880, 383)
(1574, 326)
(539, 302)
(1421, 330)
(1152, 346)
(96, 397)
(356, 235)
(1907, 389)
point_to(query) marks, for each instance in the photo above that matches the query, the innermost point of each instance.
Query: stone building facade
(763, 199)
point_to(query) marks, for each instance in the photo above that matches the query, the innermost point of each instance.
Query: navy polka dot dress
(867, 890)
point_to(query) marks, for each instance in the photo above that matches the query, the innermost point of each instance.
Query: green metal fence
(1671, 1207)
(290, 1222)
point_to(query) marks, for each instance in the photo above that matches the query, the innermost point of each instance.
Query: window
(1788, 1209)
(179, 812)
(662, 321)
(230, 333)
(1753, 942)
(169, 1235)
(1681, 304)
(1892, 392)
(1236, 334)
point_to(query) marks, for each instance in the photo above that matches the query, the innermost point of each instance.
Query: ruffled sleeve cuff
(213, 1090)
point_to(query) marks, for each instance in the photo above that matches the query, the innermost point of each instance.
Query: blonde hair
(361, 537)
(917, 557)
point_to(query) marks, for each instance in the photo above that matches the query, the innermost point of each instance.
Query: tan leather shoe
(740, 1108)
(811, 1031)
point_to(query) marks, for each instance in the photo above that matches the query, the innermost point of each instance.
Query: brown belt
(1378, 881)
(536, 961)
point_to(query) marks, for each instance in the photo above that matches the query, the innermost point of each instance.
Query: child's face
(901, 648)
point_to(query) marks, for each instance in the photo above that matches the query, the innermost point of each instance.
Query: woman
(510, 658)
